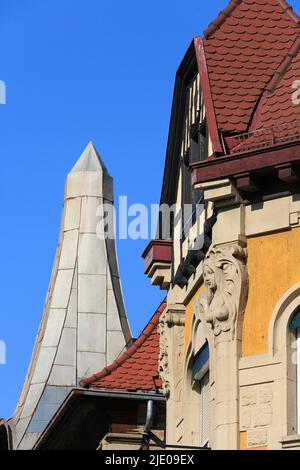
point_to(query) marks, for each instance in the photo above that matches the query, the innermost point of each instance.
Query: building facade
(228, 254)
(218, 365)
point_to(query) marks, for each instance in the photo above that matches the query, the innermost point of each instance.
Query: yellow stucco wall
(189, 314)
(243, 445)
(274, 267)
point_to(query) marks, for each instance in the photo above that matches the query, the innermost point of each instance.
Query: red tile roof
(137, 368)
(244, 47)
(276, 106)
(277, 118)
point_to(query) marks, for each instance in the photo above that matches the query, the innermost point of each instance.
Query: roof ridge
(275, 79)
(233, 4)
(289, 9)
(283, 66)
(147, 331)
(223, 15)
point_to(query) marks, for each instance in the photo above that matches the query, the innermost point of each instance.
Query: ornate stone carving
(163, 367)
(226, 282)
(171, 317)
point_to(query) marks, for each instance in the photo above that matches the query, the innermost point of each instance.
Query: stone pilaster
(171, 329)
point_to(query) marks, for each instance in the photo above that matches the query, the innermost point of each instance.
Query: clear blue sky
(78, 71)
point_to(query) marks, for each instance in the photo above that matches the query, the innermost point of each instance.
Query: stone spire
(84, 326)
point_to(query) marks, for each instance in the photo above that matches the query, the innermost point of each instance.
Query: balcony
(158, 258)
(261, 164)
(264, 138)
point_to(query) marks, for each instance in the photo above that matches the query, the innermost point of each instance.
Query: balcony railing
(267, 137)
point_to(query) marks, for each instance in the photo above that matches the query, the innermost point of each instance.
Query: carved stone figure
(226, 281)
(163, 368)
(171, 331)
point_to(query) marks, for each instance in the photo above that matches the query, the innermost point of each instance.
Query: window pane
(295, 323)
(204, 391)
(200, 361)
(298, 379)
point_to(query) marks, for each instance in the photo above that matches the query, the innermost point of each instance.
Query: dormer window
(194, 148)
(199, 141)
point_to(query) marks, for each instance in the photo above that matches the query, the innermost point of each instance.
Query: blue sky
(77, 71)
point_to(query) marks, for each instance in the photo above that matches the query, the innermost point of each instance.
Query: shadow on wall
(5, 436)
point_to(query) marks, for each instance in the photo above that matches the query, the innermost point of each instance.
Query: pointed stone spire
(90, 160)
(84, 326)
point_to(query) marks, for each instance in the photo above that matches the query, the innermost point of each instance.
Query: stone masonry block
(257, 437)
(248, 396)
(266, 395)
(245, 419)
(262, 416)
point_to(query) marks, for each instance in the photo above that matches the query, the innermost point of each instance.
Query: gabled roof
(244, 47)
(137, 369)
(242, 54)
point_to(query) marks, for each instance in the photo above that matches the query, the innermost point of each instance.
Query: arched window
(201, 384)
(295, 329)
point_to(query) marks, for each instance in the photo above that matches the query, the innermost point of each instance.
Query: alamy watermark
(2, 92)
(296, 94)
(2, 353)
(140, 222)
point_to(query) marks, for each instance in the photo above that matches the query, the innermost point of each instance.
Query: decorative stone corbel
(226, 281)
(170, 345)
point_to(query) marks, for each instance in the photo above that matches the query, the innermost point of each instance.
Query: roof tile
(244, 46)
(277, 117)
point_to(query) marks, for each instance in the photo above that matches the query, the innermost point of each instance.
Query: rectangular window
(298, 378)
(200, 381)
(294, 326)
(200, 366)
(204, 416)
(194, 147)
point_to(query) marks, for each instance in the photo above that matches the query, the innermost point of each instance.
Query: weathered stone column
(226, 413)
(171, 329)
(223, 305)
